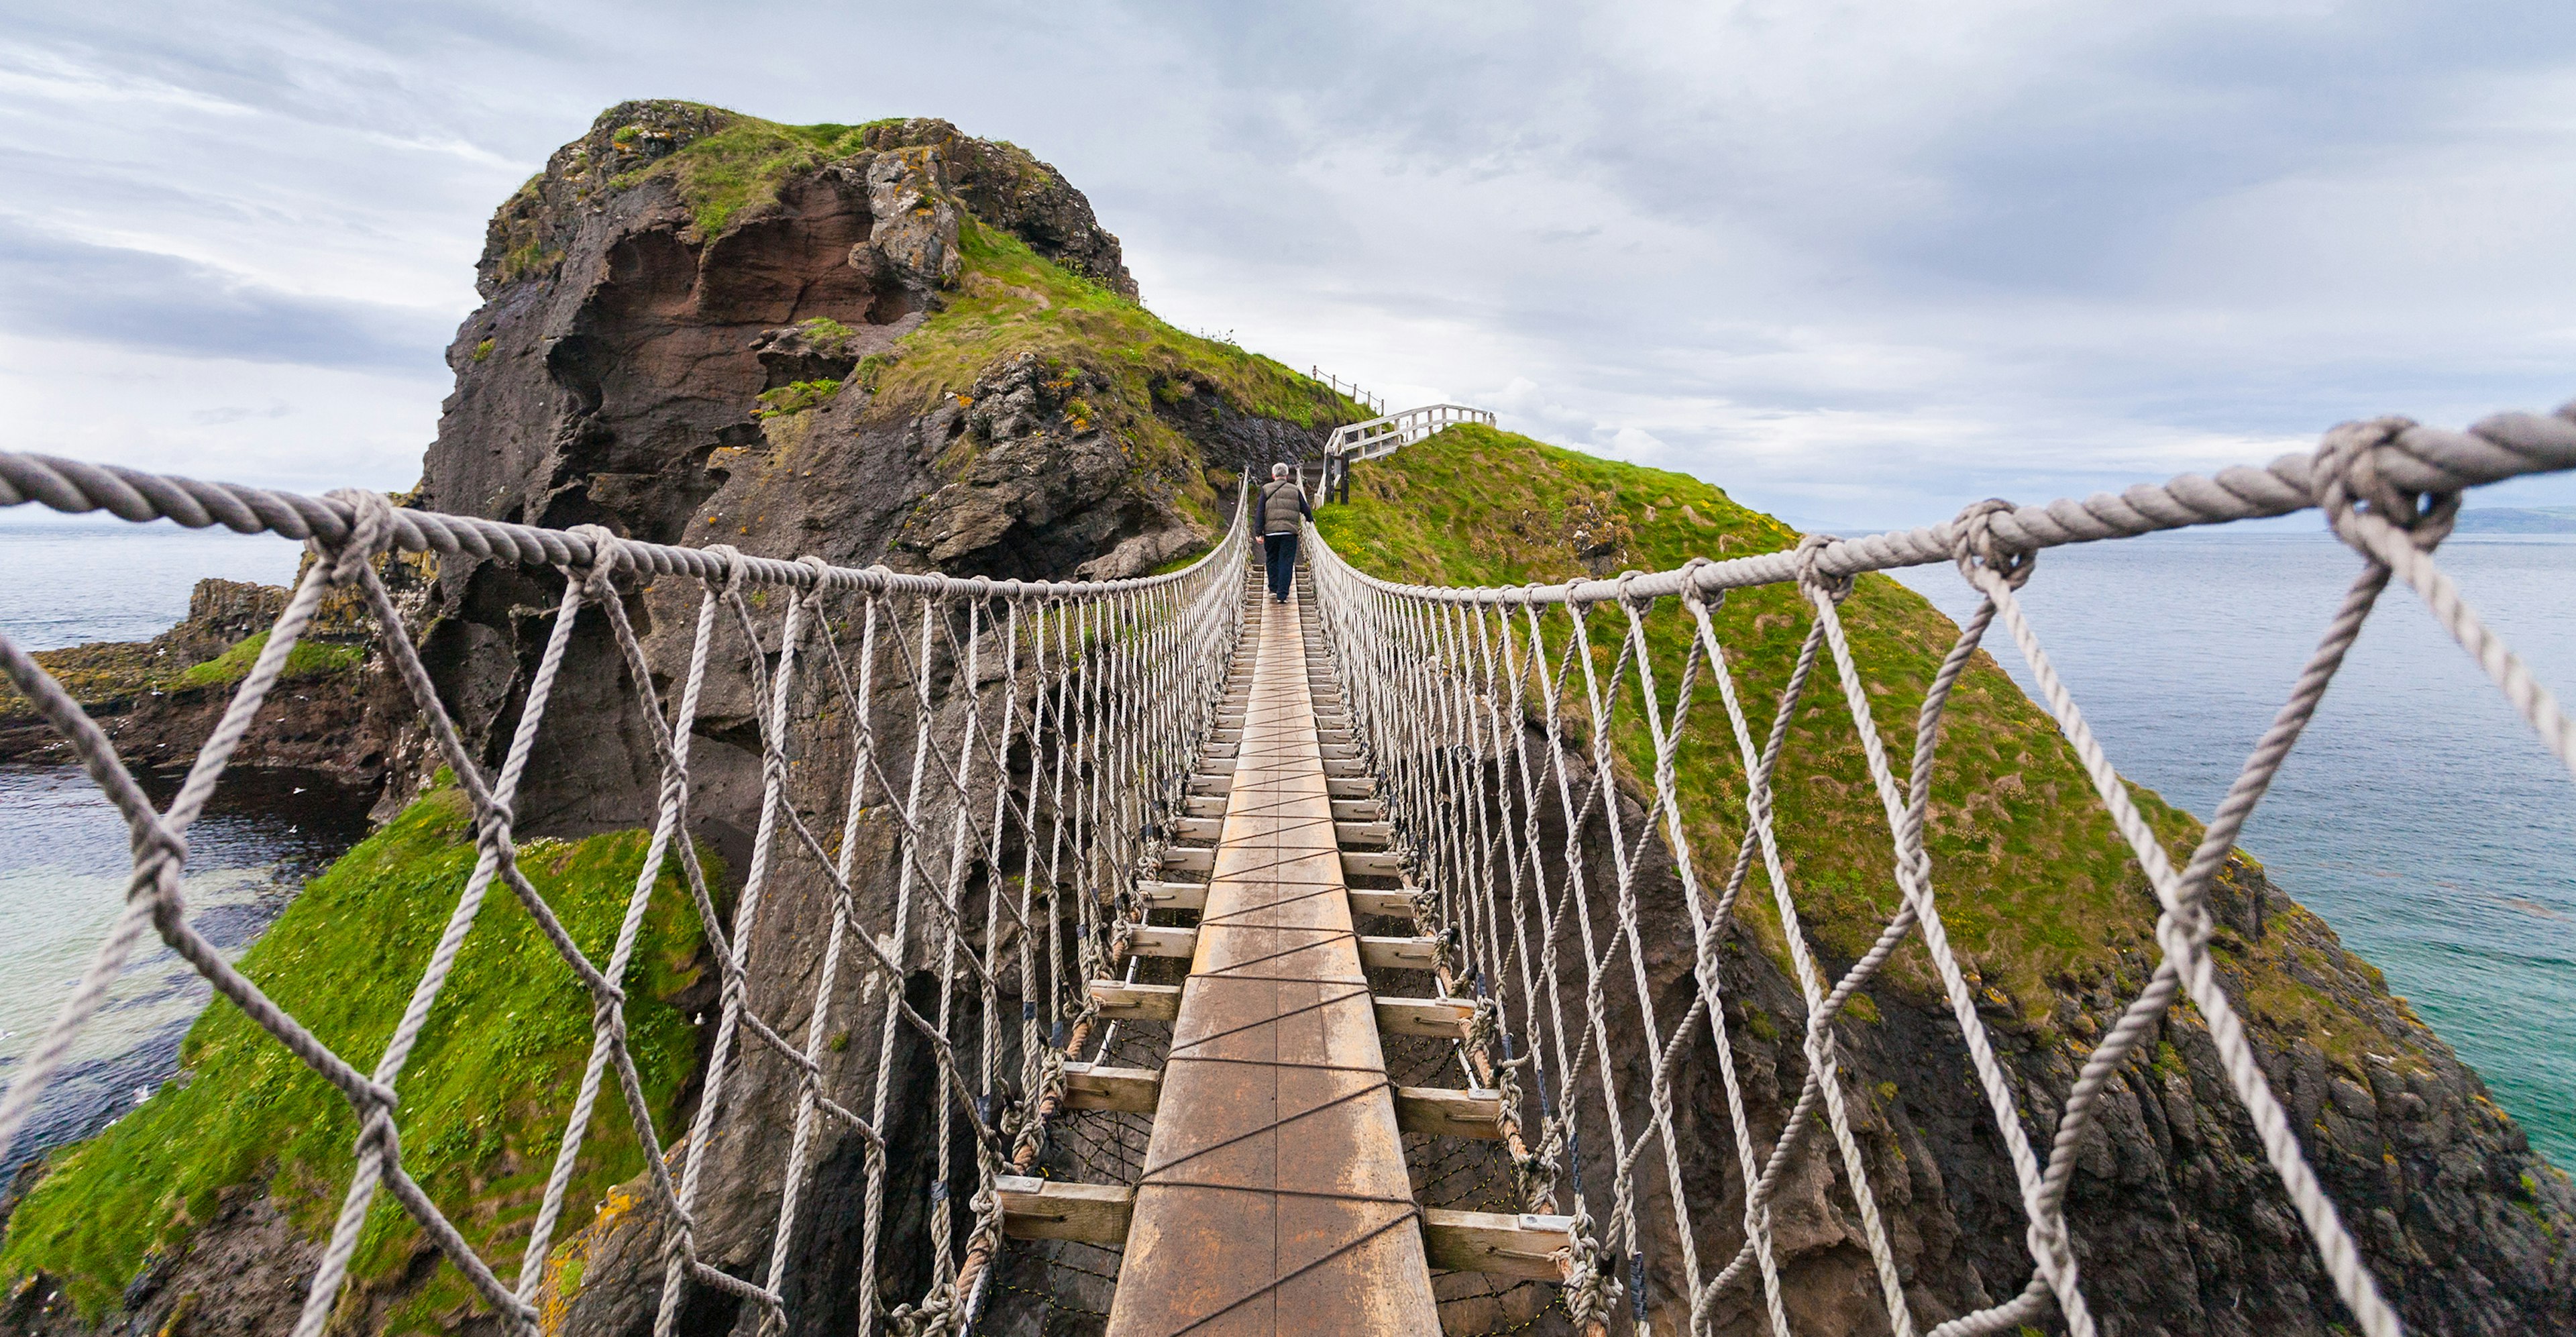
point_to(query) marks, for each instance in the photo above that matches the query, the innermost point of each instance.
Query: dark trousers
(1281, 550)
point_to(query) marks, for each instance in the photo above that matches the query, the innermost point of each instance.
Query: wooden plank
(1433, 1018)
(1047, 1209)
(1188, 858)
(1358, 810)
(1156, 940)
(1286, 1207)
(1121, 1001)
(1344, 768)
(1205, 805)
(1197, 828)
(1397, 953)
(1172, 895)
(1360, 863)
(1350, 786)
(1397, 903)
(1363, 833)
(1093, 1086)
(1443, 1112)
(1498, 1243)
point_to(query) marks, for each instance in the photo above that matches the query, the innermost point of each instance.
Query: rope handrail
(77, 487)
(2412, 458)
(1058, 723)
(1477, 707)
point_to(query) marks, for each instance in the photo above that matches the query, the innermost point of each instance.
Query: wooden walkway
(1274, 1198)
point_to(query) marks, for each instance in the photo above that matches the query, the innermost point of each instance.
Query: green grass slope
(482, 1100)
(2040, 896)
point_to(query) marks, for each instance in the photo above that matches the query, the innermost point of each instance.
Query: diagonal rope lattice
(1051, 728)
(1487, 716)
(1064, 739)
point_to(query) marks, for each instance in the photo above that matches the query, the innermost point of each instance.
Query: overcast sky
(1858, 262)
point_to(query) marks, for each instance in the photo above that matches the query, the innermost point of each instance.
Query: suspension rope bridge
(1142, 825)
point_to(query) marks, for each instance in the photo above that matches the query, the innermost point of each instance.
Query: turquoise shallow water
(2419, 815)
(63, 851)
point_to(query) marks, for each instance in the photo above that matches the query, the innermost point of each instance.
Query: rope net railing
(1492, 718)
(1023, 746)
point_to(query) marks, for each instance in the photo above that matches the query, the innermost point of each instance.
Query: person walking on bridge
(1283, 504)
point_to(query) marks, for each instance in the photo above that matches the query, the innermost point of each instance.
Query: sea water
(2419, 815)
(63, 846)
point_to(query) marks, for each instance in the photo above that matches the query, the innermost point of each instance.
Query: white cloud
(1859, 261)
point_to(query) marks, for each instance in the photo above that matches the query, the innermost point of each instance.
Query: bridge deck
(1274, 1198)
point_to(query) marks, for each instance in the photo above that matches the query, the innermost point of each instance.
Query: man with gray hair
(1283, 504)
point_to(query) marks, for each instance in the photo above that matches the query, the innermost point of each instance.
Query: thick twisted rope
(2415, 458)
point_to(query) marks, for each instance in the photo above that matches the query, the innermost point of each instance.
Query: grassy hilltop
(2040, 896)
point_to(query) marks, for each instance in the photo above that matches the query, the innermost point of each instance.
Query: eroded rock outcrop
(335, 712)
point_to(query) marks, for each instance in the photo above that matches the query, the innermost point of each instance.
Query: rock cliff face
(686, 362)
(814, 370)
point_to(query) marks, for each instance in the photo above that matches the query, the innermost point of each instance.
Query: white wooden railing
(1379, 437)
(1382, 436)
(1349, 390)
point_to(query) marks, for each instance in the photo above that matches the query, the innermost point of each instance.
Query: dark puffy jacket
(1283, 501)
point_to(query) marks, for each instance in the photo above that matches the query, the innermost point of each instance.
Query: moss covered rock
(246, 1133)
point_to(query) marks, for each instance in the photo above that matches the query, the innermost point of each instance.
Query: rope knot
(378, 1132)
(822, 571)
(1592, 1292)
(731, 556)
(1624, 580)
(2348, 481)
(607, 552)
(371, 524)
(1695, 597)
(151, 836)
(1973, 542)
(1811, 574)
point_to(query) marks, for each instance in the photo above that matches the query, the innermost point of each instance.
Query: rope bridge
(1091, 784)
